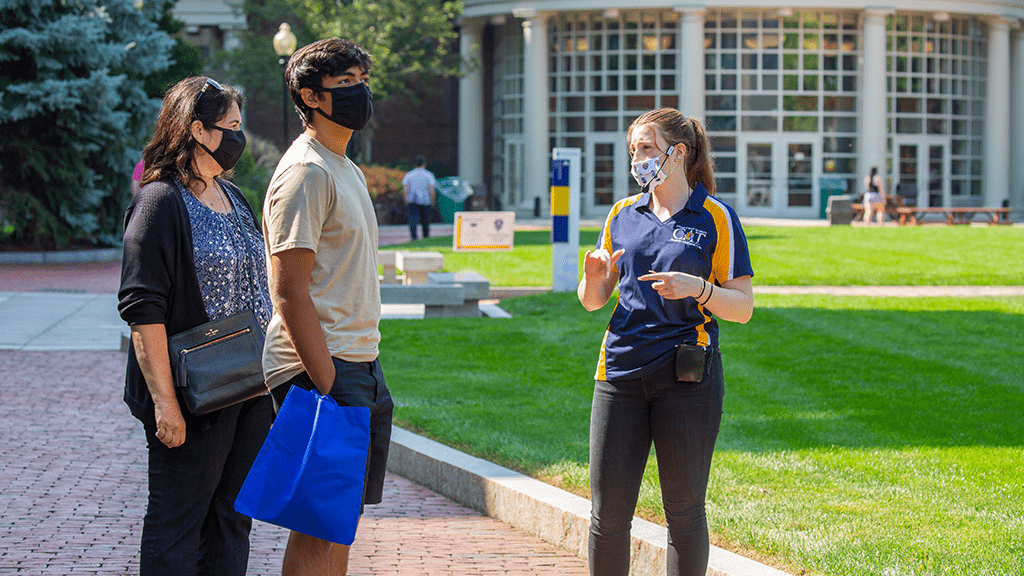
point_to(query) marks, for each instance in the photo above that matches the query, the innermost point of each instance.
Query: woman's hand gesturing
(674, 285)
(599, 264)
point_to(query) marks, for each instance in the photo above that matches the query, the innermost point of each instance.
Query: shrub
(254, 169)
(385, 186)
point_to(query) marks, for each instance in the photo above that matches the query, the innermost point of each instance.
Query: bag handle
(320, 398)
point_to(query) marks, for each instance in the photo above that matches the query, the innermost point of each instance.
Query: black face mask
(351, 106)
(232, 144)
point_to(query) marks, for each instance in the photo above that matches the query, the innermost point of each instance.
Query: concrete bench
(387, 260)
(445, 295)
(417, 265)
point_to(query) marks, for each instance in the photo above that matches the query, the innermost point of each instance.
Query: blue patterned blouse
(225, 280)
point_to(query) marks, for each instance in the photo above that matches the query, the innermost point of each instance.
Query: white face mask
(648, 174)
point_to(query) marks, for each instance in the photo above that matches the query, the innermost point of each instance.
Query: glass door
(514, 173)
(606, 161)
(778, 177)
(921, 172)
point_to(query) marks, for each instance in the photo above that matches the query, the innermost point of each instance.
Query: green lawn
(860, 436)
(839, 256)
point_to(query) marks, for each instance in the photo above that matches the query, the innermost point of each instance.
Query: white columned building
(1017, 134)
(800, 101)
(537, 149)
(691, 61)
(471, 105)
(873, 116)
(997, 114)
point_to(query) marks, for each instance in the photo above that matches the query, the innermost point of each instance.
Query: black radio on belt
(690, 363)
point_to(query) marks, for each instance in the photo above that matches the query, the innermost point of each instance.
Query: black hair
(308, 66)
(421, 160)
(172, 149)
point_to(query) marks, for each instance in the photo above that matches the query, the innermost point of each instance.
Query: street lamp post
(284, 45)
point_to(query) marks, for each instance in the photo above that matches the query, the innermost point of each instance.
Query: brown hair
(172, 149)
(677, 128)
(328, 57)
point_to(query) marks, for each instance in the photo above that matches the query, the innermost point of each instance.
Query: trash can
(840, 210)
(830, 186)
(452, 193)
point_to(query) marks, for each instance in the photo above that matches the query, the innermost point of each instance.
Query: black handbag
(220, 363)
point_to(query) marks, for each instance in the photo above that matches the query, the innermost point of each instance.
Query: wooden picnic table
(958, 215)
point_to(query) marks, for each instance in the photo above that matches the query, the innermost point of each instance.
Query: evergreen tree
(74, 113)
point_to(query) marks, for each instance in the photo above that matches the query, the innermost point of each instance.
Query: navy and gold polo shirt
(703, 239)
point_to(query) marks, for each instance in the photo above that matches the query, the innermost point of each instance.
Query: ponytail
(677, 128)
(700, 166)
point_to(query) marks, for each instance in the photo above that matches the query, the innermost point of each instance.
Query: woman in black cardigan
(185, 263)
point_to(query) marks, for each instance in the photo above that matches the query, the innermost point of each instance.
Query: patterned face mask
(647, 173)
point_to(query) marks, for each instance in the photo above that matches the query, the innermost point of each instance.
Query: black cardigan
(159, 284)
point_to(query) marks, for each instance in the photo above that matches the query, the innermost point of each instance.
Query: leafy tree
(254, 64)
(74, 112)
(412, 41)
(186, 59)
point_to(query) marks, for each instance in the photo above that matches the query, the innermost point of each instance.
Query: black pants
(191, 527)
(419, 214)
(682, 420)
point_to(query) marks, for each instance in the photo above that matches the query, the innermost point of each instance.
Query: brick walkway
(74, 490)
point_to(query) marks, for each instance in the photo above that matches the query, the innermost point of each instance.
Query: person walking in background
(419, 185)
(188, 243)
(679, 258)
(874, 196)
(321, 234)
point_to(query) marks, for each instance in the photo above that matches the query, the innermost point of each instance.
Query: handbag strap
(250, 265)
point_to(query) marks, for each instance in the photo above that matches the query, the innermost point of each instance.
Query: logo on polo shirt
(690, 236)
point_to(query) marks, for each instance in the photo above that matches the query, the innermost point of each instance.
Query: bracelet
(709, 294)
(703, 287)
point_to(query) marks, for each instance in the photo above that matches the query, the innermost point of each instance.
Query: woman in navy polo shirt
(679, 258)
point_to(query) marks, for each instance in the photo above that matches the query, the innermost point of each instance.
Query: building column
(691, 61)
(536, 116)
(996, 186)
(873, 96)
(471, 104)
(1017, 133)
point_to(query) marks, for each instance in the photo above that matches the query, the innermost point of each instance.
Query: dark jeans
(419, 213)
(682, 419)
(191, 527)
(359, 384)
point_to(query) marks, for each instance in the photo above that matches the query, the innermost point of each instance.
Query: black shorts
(359, 384)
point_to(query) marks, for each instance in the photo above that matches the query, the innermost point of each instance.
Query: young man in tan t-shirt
(321, 236)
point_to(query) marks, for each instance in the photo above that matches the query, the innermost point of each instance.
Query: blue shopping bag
(309, 474)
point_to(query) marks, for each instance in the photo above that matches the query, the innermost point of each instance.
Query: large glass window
(936, 87)
(766, 73)
(603, 73)
(507, 114)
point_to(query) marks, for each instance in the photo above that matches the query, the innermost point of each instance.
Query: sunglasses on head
(209, 82)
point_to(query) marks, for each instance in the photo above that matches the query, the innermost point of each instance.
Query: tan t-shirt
(318, 200)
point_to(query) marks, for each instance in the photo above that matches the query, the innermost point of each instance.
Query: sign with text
(483, 231)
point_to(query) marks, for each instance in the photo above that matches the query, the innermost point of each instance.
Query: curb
(539, 509)
(61, 257)
(503, 292)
